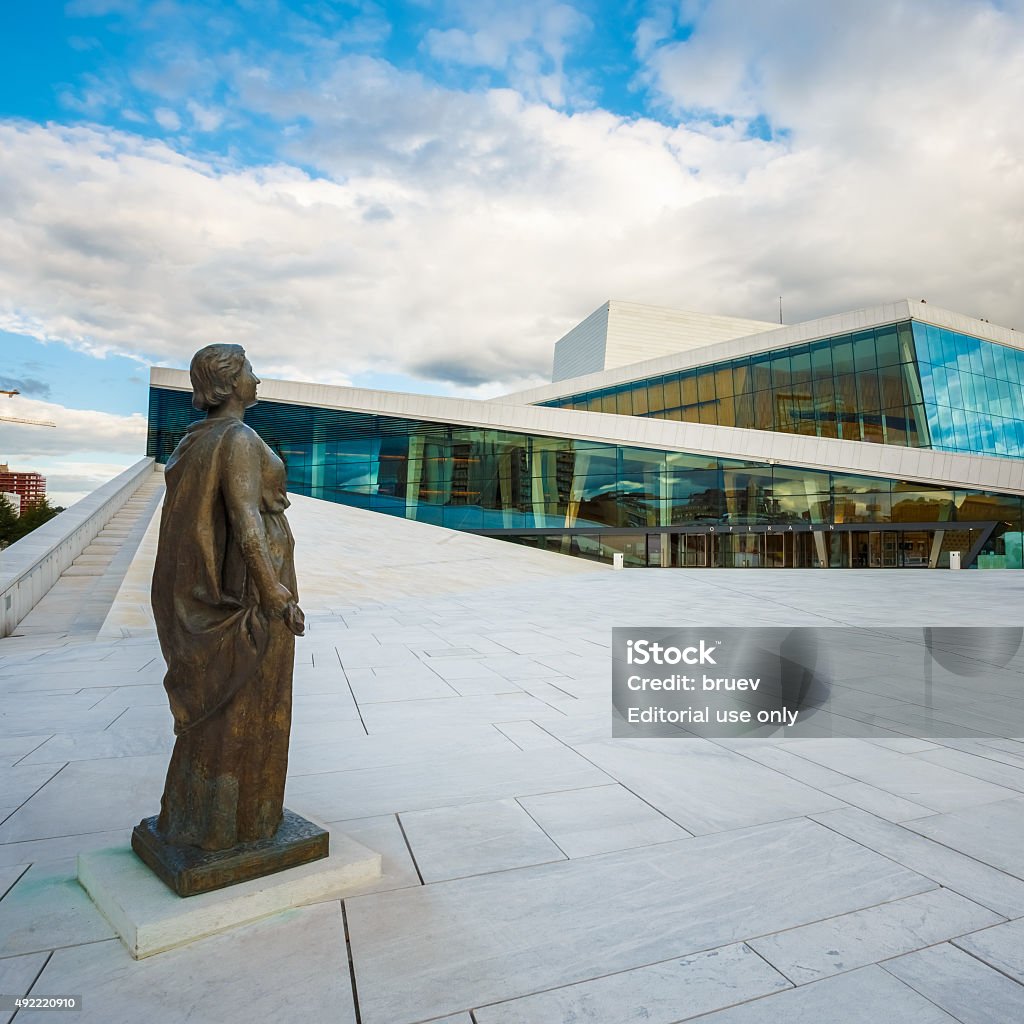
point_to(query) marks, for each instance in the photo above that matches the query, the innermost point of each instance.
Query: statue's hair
(214, 370)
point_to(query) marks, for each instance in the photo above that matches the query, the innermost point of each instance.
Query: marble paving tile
(415, 673)
(391, 656)
(411, 636)
(67, 719)
(91, 796)
(993, 889)
(701, 786)
(384, 836)
(364, 793)
(139, 719)
(903, 775)
(551, 692)
(527, 641)
(140, 695)
(289, 967)
(17, 784)
(964, 987)
(582, 727)
(1002, 947)
(986, 768)
(382, 685)
(311, 733)
(47, 908)
(54, 683)
(520, 667)
(864, 937)
(527, 735)
(17, 974)
(559, 924)
(865, 996)
(660, 994)
(463, 668)
(1010, 751)
(877, 801)
(483, 685)
(593, 685)
(799, 768)
(345, 753)
(88, 746)
(9, 874)
(470, 839)
(905, 744)
(325, 707)
(456, 711)
(584, 822)
(992, 833)
(14, 748)
(39, 851)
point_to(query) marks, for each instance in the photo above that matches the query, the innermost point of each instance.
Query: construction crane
(18, 419)
(34, 423)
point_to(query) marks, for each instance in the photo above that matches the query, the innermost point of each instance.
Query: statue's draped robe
(229, 668)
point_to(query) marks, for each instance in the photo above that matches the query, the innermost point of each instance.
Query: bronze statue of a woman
(224, 599)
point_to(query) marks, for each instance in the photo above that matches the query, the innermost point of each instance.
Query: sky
(425, 196)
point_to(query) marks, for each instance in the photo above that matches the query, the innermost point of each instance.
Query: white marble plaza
(452, 714)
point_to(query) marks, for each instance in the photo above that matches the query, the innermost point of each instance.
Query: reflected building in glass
(886, 438)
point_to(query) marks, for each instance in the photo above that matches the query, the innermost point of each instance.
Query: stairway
(78, 602)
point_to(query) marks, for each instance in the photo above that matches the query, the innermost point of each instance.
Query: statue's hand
(294, 619)
(276, 601)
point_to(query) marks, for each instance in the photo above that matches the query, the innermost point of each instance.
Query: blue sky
(425, 196)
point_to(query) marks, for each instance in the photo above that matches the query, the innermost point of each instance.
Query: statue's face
(246, 385)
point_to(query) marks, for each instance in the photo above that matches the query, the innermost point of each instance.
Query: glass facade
(861, 387)
(593, 499)
(973, 392)
(905, 384)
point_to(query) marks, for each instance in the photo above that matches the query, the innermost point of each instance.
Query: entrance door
(778, 550)
(741, 550)
(875, 549)
(890, 549)
(690, 550)
(654, 550)
(805, 555)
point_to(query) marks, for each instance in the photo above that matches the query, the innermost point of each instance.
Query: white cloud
(167, 119)
(462, 252)
(903, 172)
(206, 119)
(528, 41)
(84, 450)
(457, 235)
(74, 430)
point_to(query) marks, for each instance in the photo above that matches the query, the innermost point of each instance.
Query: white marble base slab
(150, 918)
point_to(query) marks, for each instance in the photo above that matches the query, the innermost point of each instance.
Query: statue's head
(215, 371)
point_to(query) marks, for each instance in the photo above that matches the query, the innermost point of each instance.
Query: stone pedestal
(150, 918)
(190, 871)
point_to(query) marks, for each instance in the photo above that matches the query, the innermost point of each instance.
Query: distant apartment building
(14, 499)
(29, 487)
